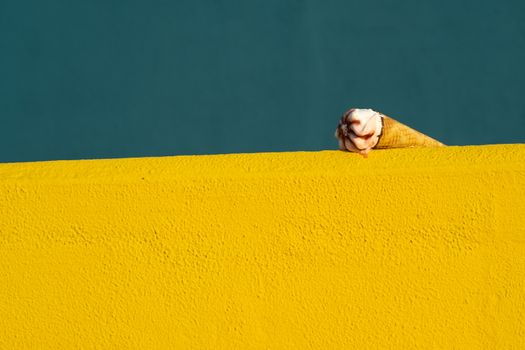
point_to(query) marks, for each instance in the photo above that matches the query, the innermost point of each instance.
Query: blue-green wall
(93, 79)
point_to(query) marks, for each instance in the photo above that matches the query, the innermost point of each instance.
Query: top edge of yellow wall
(329, 162)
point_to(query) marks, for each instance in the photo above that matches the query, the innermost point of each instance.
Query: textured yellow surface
(415, 248)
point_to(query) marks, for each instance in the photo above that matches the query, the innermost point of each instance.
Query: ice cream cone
(397, 135)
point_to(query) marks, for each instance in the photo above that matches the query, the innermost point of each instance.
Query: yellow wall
(409, 248)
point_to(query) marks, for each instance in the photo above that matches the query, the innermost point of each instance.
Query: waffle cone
(398, 135)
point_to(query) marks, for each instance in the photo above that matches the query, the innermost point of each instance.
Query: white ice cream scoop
(359, 130)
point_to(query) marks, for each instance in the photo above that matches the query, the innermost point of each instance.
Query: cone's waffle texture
(398, 135)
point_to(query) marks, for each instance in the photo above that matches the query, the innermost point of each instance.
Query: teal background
(104, 79)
